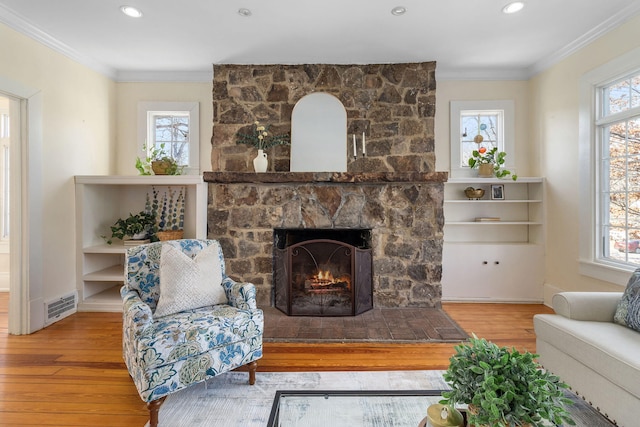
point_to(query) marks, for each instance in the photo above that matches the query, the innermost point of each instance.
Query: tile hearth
(378, 325)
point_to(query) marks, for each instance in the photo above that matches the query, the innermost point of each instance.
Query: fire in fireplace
(320, 272)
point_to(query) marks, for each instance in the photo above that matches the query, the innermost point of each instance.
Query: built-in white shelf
(109, 274)
(493, 201)
(114, 248)
(100, 202)
(493, 223)
(483, 260)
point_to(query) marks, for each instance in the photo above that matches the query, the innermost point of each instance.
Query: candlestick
(364, 146)
(355, 153)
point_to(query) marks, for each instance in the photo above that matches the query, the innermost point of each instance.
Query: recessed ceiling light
(398, 10)
(513, 7)
(243, 11)
(131, 11)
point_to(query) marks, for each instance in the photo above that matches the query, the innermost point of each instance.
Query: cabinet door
(485, 272)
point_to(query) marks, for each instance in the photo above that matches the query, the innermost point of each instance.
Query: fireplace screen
(323, 272)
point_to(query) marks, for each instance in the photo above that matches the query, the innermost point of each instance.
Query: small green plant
(261, 138)
(158, 154)
(503, 387)
(141, 223)
(492, 156)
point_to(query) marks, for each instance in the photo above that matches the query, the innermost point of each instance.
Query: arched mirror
(319, 134)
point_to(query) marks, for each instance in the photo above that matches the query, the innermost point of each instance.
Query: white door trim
(26, 212)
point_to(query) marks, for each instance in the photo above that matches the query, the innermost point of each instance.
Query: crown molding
(445, 73)
(21, 25)
(596, 32)
(198, 76)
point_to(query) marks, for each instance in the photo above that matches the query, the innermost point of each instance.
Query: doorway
(7, 119)
(24, 213)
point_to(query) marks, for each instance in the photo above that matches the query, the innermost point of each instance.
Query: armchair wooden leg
(253, 366)
(154, 408)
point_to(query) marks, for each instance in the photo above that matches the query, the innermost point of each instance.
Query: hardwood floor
(72, 373)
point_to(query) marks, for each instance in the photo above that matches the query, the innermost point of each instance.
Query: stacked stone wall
(394, 104)
(406, 219)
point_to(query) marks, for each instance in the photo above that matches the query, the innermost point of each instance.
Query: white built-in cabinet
(494, 261)
(100, 201)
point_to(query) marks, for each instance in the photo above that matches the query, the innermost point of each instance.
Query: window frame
(507, 139)
(145, 108)
(590, 246)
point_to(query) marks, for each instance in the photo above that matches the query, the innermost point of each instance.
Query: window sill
(615, 274)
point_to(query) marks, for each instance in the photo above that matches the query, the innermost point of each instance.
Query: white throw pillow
(187, 283)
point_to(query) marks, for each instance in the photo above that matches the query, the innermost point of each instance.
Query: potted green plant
(140, 226)
(260, 137)
(504, 387)
(168, 211)
(490, 162)
(158, 162)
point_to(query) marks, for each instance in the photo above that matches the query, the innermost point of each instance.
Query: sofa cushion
(607, 348)
(191, 333)
(628, 310)
(187, 283)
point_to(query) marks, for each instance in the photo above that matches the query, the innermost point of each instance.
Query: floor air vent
(59, 308)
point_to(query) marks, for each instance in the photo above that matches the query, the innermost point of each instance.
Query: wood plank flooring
(72, 373)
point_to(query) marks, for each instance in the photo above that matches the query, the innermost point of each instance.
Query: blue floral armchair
(167, 354)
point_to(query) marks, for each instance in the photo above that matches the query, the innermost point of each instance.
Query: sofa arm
(240, 295)
(136, 315)
(595, 306)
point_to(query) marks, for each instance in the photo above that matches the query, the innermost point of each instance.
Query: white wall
(78, 137)
(526, 155)
(554, 127)
(128, 96)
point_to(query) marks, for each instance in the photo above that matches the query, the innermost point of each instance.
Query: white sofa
(597, 358)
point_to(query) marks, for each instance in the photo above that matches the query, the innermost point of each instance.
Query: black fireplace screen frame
(298, 259)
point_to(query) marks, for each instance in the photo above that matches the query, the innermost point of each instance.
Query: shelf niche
(494, 261)
(100, 201)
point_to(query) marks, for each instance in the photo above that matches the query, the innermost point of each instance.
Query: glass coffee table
(347, 408)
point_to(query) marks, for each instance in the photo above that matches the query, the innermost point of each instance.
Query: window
(492, 122)
(169, 131)
(609, 155)
(618, 168)
(172, 127)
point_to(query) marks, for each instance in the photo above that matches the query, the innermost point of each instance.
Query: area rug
(379, 325)
(229, 401)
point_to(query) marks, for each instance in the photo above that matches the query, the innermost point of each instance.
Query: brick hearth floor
(377, 325)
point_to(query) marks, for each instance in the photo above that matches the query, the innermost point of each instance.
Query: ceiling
(179, 40)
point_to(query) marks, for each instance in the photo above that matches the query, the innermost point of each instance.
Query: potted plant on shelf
(138, 228)
(489, 163)
(503, 387)
(168, 211)
(158, 162)
(260, 138)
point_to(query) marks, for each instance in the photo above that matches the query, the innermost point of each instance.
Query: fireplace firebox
(321, 272)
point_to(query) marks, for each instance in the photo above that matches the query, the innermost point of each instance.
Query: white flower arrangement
(261, 138)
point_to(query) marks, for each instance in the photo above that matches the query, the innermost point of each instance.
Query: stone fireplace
(322, 272)
(393, 191)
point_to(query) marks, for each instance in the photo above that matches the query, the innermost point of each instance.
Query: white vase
(260, 163)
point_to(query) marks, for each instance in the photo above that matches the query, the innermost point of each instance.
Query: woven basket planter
(160, 167)
(170, 235)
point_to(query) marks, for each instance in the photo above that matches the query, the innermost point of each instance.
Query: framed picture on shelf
(497, 192)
